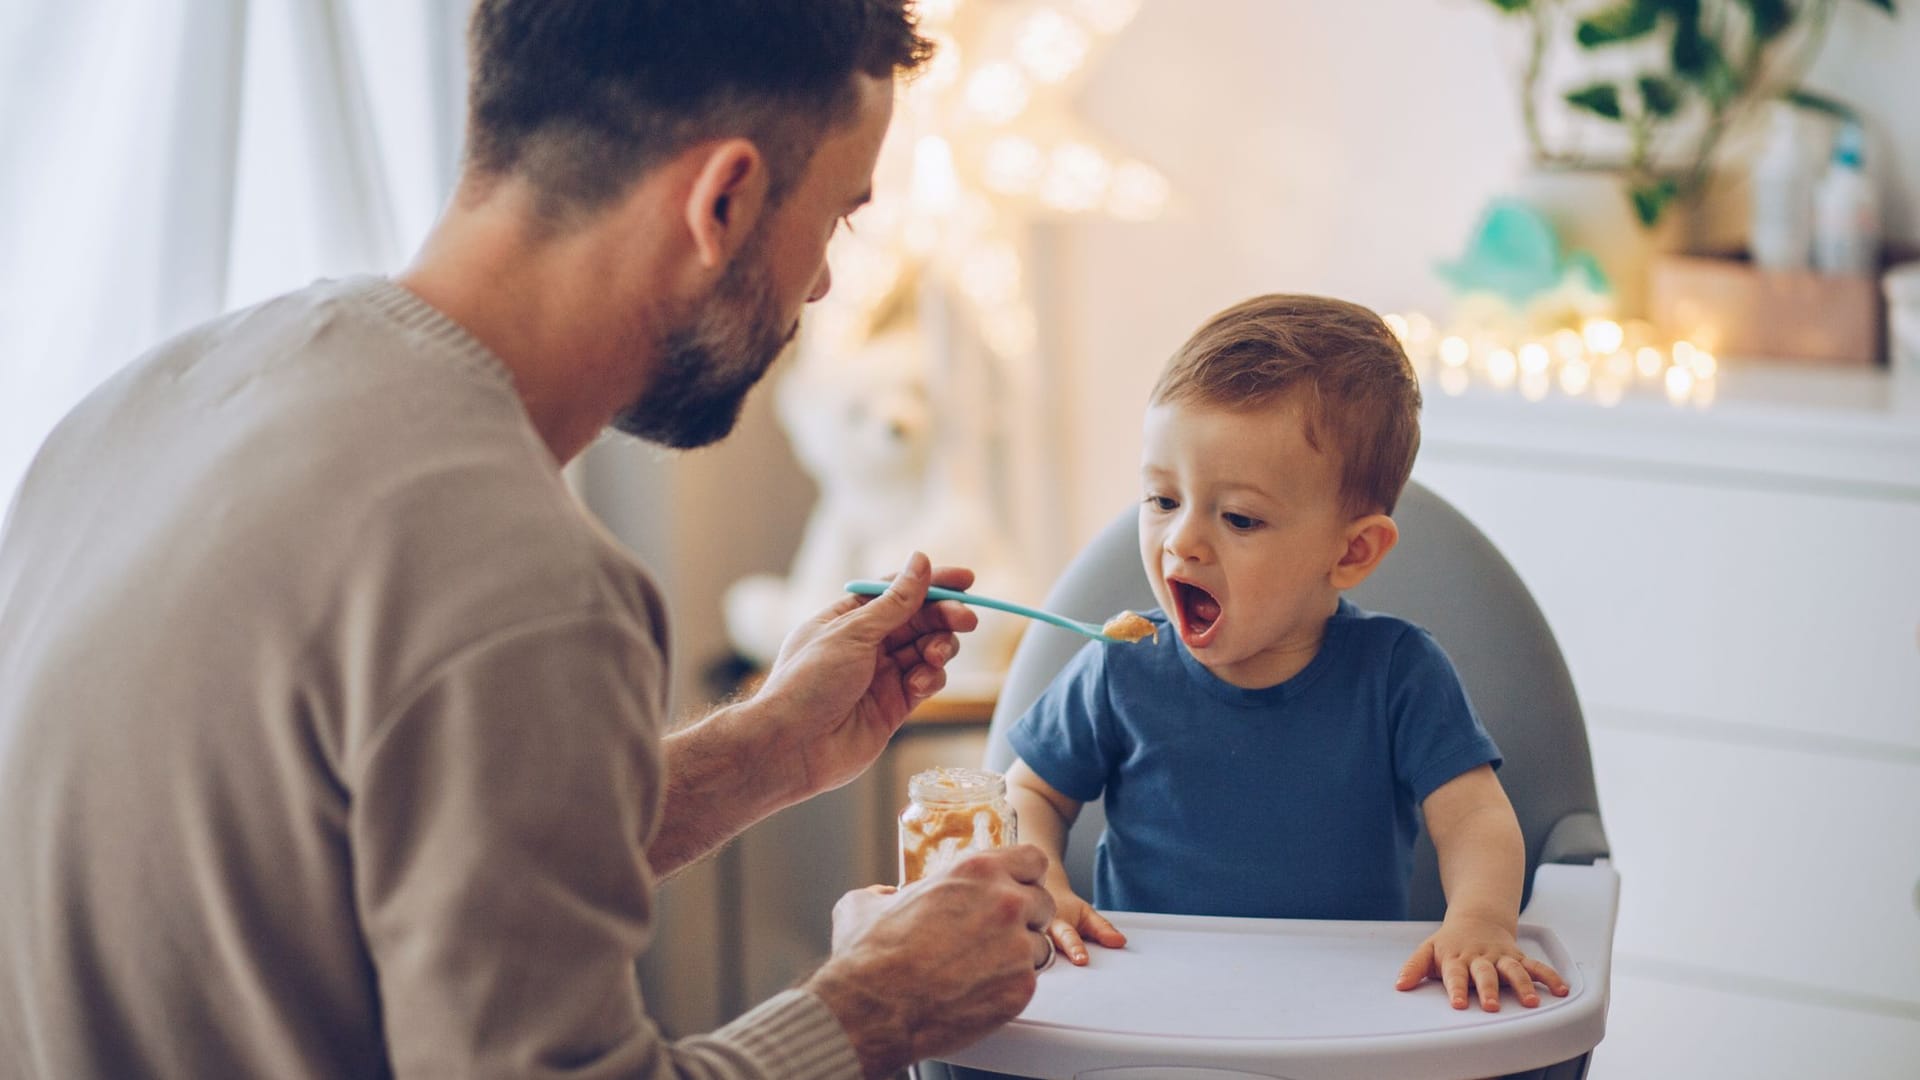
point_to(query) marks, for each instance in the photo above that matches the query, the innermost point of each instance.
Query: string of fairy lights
(1602, 359)
(985, 143)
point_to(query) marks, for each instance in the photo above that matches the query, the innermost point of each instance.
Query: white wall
(1341, 148)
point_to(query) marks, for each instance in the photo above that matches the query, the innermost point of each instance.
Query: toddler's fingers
(1517, 977)
(1096, 926)
(1414, 971)
(1453, 976)
(1068, 942)
(1487, 979)
(1544, 972)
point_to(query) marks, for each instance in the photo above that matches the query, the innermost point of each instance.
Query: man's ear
(728, 195)
(1369, 539)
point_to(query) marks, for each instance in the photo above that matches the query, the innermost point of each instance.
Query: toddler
(1271, 753)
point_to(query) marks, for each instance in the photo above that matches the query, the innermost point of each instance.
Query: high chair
(1194, 998)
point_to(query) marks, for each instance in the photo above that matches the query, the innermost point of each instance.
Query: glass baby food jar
(951, 813)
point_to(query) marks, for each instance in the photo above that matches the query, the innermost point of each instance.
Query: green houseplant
(1687, 71)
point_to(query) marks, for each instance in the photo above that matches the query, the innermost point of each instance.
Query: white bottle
(1780, 212)
(1846, 215)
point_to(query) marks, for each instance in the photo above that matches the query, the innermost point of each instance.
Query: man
(330, 727)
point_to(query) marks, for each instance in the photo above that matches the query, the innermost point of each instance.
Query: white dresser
(1737, 591)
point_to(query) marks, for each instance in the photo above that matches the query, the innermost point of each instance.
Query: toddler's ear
(1369, 539)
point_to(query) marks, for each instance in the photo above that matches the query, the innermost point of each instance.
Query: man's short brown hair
(582, 97)
(1337, 361)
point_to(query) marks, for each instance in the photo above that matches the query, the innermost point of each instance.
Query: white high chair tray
(1195, 997)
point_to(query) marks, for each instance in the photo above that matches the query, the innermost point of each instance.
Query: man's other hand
(925, 970)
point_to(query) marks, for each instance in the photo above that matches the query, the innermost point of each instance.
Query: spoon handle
(935, 592)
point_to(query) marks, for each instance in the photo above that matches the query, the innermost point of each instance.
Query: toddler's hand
(1468, 954)
(1074, 919)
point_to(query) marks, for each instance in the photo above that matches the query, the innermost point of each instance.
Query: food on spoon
(1130, 626)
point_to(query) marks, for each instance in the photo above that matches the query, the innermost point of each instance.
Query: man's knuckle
(1008, 907)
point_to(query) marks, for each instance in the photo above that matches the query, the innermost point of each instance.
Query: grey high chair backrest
(1444, 575)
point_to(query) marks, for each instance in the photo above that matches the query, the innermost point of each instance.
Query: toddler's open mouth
(1199, 612)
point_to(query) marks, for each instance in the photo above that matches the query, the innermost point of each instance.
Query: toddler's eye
(1161, 503)
(1241, 521)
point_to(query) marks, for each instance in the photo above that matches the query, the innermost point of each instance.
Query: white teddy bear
(863, 426)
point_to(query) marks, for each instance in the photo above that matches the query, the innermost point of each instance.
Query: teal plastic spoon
(1096, 631)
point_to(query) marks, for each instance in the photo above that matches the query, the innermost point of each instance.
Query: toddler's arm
(1045, 816)
(1483, 865)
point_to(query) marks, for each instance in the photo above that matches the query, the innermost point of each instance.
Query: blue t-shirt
(1292, 801)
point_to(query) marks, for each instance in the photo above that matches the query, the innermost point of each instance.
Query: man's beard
(709, 363)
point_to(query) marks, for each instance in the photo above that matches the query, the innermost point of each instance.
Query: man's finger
(953, 577)
(932, 651)
(936, 615)
(894, 608)
(1027, 864)
(922, 683)
(855, 911)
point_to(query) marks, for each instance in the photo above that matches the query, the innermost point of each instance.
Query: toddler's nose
(1184, 540)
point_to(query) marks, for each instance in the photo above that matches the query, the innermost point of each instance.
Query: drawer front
(1765, 863)
(1786, 609)
(1662, 1030)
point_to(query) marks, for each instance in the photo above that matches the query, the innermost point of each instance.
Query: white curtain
(162, 161)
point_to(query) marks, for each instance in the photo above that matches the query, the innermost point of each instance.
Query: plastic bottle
(1780, 221)
(1846, 215)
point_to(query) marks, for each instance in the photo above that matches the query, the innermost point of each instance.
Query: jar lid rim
(954, 784)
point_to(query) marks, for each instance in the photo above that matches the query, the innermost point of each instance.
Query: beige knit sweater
(329, 729)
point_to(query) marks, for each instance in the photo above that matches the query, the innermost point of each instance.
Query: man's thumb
(904, 595)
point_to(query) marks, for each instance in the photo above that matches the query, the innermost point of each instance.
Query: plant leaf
(1770, 18)
(1660, 95)
(1624, 21)
(1883, 5)
(1820, 103)
(1512, 5)
(1601, 99)
(1692, 50)
(1650, 199)
(1719, 81)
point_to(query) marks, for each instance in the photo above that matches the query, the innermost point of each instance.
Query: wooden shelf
(942, 709)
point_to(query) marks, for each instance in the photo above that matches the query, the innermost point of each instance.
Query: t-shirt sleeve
(1067, 737)
(1436, 734)
(497, 830)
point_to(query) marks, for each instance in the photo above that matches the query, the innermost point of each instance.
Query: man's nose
(821, 284)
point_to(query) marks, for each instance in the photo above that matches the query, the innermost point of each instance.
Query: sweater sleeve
(498, 838)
